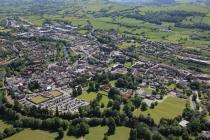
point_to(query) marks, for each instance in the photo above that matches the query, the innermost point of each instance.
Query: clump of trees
(78, 130)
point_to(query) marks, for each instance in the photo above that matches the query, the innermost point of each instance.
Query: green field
(97, 133)
(29, 134)
(169, 108)
(39, 99)
(56, 93)
(92, 95)
(148, 90)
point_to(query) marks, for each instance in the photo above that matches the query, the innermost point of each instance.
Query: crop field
(170, 108)
(39, 99)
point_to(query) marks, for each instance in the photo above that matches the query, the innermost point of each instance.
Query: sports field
(39, 99)
(56, 93)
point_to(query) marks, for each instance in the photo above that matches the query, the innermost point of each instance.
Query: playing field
(170, 108)
(29, 134)
(39, 99)
(56, 93)
(3, 125)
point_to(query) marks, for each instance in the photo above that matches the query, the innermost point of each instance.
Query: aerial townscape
(105, 69)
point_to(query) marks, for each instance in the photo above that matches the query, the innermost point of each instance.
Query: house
(205, 135)
(183, 123)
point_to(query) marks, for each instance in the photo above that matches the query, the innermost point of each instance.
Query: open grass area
(39, 99)
(3, 125)
(128, 44)
(148, 90)
(29, 134)
(92, 95)
(36, 20)
(113, 83)
(97, 133)
(56, 93)
(122, 133)
(172, 86)
(169, 108)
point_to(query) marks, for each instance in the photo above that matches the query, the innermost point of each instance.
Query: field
(56, 93)
(92, 95)
(148, 90)
(39, 99)
(33, 135)
(3, 125)
(97, 133)
(169, 108)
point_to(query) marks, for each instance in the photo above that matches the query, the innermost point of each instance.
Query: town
(105, 78)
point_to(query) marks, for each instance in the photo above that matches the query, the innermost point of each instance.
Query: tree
(152, 106)
(102, 105)
(91, 87)
(60, 133)
(157, 136)
(185, 135)
(195, 125)
(84, 128)
(113, 92)
(111, 126)
(133, 134)
(105, 137)
(143, 132)
(79, 90)
(75, 94)
(194, 97)
(136, 101)
(144, 106)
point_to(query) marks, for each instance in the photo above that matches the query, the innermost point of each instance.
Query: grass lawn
(39, 99)
(113, 83)
(125, 45)
(148, 90)
(29, 134)
(56, 93)
(172, 86)
(127, 64)
(96, 133)
(92, 95)
(121, 133)
(169, 108)
(3, 125)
